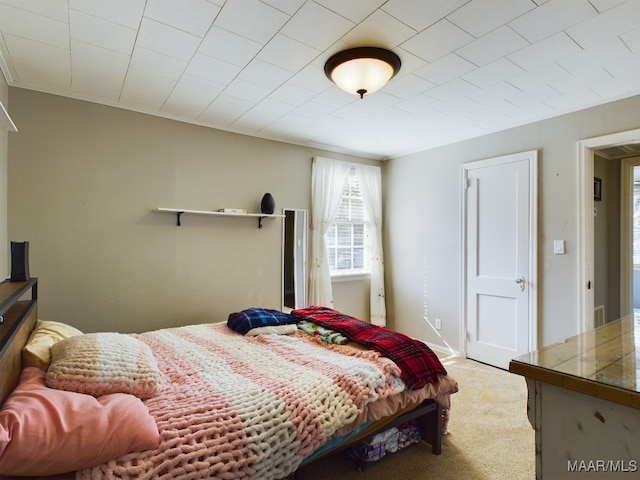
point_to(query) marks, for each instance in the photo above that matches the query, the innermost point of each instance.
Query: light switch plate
(558, 247)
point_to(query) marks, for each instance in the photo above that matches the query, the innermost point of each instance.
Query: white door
(499, 253)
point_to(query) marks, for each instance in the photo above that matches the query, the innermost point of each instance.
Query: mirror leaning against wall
(294, 258)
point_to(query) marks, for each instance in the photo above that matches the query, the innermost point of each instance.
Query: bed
(209, 401)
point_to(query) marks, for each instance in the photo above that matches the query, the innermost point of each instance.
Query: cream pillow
(44, 336)
(103, 363)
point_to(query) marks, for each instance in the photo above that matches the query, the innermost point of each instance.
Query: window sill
(349, 277)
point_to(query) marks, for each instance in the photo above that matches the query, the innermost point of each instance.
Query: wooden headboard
(18, 318)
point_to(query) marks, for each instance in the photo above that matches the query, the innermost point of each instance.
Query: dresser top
(603, 362)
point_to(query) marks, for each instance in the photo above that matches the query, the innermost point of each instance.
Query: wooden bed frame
(18, 316)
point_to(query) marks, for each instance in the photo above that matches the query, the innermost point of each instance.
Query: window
(346, 239)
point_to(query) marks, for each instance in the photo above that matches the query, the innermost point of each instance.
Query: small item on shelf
(232, 210)
(268, 204)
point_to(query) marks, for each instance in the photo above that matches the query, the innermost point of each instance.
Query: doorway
(616, 233)
(499, 264)
(628, 142)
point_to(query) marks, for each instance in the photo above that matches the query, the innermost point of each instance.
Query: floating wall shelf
(179, 211)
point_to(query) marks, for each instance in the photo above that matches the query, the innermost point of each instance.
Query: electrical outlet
(438, 324)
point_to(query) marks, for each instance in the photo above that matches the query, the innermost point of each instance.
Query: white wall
(84, 179)
(423, 222)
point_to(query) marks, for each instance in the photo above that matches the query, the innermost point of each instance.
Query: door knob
(521, 281)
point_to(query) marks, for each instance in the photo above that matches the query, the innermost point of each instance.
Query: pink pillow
(44, 431)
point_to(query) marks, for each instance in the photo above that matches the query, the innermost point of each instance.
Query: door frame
(627, 167)
(585, 244)
(532, 156)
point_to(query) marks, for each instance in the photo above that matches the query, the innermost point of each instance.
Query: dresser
(584, 403)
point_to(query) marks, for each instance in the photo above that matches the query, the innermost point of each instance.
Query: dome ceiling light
(362, 70)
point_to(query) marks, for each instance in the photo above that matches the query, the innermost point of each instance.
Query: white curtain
(370, 181)
(328, 178)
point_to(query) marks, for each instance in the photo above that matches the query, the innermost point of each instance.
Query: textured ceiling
(469, 67)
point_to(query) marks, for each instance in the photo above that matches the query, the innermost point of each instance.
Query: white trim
(532, 156)
(463, 335)
(585, 224)
(349, 277)
(533, 256)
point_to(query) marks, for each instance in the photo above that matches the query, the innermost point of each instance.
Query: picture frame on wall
(597, 189)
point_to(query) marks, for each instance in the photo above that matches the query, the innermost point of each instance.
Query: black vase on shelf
(268, 204)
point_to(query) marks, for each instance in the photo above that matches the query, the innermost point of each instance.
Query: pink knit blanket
(238, 407)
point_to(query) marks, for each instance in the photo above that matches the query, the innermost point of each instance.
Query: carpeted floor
(490, 437)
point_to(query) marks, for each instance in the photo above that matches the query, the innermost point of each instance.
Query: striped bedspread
(238, 407)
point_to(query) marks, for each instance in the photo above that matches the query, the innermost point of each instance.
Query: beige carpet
(490, 437)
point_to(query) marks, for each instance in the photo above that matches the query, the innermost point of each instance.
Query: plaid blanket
(251, 318)
(417, 361)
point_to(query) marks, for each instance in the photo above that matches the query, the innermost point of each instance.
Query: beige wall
(5, 270)
(84, 179)
(423, 222)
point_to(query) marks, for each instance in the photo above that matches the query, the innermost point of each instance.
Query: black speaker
(19, 262)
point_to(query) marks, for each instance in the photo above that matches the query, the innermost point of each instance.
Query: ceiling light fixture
(362, 70)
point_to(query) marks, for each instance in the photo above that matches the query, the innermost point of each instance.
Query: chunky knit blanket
(238, 407)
